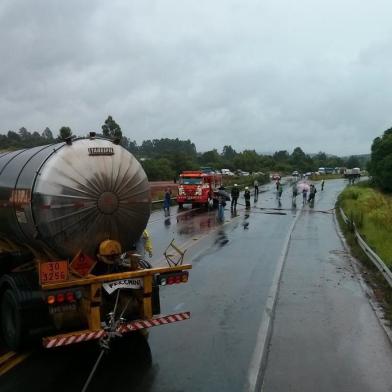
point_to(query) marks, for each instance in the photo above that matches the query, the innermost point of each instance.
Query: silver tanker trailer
(70, 214)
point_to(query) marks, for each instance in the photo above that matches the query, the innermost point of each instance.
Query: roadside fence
(376, 260)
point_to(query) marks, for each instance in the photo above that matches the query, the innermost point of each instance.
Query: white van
(227, 172)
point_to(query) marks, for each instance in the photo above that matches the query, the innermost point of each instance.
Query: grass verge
(372, 276)
(371, 211)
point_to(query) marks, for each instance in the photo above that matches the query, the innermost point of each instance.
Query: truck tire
(11, 321)
(24, 316)
(180, 205)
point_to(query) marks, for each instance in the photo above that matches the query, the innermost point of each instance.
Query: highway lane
(326, 336)
(233, 264)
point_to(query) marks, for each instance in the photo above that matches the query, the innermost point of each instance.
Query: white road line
(258, 362)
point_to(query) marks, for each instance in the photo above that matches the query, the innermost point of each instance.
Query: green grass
(371, 211)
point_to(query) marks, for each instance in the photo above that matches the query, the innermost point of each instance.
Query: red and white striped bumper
(84, 336)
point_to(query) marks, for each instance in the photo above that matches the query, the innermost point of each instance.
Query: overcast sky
(264, 75)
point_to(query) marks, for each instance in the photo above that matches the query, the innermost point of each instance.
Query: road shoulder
(326, 336)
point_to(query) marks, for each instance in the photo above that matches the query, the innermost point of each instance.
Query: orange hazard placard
(53, 271)
(82, 264)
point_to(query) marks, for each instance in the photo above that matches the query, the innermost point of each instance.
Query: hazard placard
(82, 264)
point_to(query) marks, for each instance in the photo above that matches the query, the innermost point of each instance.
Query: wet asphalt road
(233, 265)
(326, 336)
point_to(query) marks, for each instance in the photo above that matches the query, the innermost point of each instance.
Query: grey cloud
(254, 74)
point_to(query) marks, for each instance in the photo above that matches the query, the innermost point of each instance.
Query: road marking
(10, 360)
(259, 357)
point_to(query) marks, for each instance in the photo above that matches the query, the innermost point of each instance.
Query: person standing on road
(167, 201)
(312, 193)
(256, 185)
(295, 191)
(247, 198)
(280, 191)
(304, 195)
(221, 207)
(222, 204)
(235, 192)
(322, 185)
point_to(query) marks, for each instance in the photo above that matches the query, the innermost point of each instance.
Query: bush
(380, 166)
(158, 169)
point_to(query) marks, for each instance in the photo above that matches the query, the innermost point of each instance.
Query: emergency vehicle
(198, 187)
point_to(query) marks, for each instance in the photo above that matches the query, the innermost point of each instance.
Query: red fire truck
(198, 187)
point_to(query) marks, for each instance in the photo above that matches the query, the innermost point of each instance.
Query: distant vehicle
(295, 173)
(352, 173)
(326, 170)
(227, 172)
(308, 174)
(198, 187)
(241, 173)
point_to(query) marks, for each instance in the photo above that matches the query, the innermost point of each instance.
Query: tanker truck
(70, 216)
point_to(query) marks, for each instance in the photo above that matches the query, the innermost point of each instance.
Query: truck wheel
(11, 320)
(180, 206)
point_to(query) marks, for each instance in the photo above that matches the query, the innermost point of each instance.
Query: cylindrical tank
(65, 198)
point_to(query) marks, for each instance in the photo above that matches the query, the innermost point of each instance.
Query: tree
(180, 162)
(132, 146)
(13, 137)
(247, 160)
(380, 166)
(321, 157)
(47, 134)
(24, 134)
(147, 148)
(111, 129)
(281, 156)
(352, 161)
(158, 169)
(211, 159)
(298, 159)
(64, 132)
(228, 153)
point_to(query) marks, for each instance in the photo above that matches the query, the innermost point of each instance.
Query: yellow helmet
(109, 248)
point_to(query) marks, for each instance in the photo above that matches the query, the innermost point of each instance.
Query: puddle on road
(194, 223)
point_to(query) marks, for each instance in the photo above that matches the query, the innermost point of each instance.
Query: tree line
(380, 165)
(23, 138)
(164, 159)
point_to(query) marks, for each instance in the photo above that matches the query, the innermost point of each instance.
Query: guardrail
(373, 256)
(161, 201)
